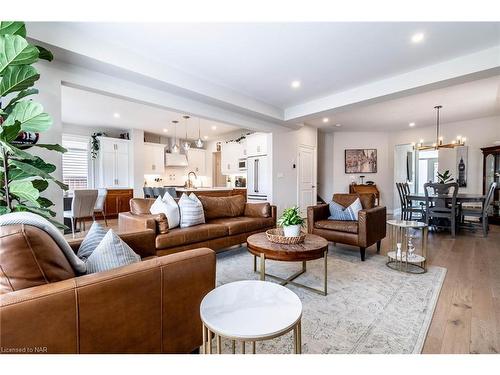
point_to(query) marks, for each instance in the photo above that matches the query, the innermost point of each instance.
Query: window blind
(76, 161)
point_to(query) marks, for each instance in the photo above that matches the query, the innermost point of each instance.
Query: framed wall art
(361, 160)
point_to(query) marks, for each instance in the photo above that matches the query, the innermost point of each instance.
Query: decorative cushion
(339, 212)
(91, 240)
(216, 207)
(111, 253)
(169, 207)
(257, 210)
(29, 218)
(191, 211)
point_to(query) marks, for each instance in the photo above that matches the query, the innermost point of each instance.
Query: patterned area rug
(369, 307)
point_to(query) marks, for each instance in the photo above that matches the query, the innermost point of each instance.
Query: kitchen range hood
(175, 160)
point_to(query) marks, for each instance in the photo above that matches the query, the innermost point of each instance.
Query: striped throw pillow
(91, 240)
(191, 211)
(111, 253)
(339, 212)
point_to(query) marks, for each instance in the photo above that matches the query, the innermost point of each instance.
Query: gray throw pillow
(339, 212)
(191, 211)
(111, 253)
(91, 240)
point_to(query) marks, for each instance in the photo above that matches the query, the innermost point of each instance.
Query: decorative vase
(291, 230)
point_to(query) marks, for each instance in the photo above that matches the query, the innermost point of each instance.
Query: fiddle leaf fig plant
(291, 216)
(24, 176)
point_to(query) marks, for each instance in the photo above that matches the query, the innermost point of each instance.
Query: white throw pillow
(191, 211)
(92, 239)
(168, 206)
(111, 253)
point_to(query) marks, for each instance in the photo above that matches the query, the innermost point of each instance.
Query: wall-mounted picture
(462, 166)
(361, 160)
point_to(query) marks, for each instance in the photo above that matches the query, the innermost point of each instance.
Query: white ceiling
(261, 59)
(466, 101)
(85, 108)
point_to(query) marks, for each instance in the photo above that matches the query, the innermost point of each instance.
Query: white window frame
(83, 139)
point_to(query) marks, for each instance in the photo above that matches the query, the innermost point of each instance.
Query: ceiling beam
(477, 65)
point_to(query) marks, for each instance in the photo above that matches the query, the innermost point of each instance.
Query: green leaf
(4, 210)
(24, 189)
(13, 28)
(53, 147)
(44, 54)
(17, 78)
(16, 152)
(40, 185)
(9, 132)
(36, 170)
(18, 97)
(31, 117)
(44, 202)
(47, 214)
(15, 50)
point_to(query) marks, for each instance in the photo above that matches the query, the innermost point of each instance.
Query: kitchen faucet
(189, 183)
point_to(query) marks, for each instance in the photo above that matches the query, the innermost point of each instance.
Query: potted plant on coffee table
(291, 221)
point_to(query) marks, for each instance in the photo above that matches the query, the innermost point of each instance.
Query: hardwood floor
(467, 315)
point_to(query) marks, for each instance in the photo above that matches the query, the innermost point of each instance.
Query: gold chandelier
(460, 141)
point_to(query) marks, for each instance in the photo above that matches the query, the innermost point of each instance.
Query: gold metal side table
(406, 258)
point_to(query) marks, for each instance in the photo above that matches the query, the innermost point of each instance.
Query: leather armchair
(368, 230)
(146, 307)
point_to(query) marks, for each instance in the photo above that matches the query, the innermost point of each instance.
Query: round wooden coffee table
(314, 247)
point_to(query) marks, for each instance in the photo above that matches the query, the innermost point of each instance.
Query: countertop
(209, 189)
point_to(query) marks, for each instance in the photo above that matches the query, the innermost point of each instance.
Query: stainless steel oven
(242, 164)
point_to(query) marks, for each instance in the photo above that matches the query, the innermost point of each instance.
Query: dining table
(461, 197)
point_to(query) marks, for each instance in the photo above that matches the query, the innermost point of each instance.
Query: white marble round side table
(250, 311)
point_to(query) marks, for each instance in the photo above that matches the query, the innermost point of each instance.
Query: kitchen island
(212, 191)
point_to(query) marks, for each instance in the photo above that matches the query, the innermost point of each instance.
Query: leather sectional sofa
(368, 230)
(228, 221)
(148, 307)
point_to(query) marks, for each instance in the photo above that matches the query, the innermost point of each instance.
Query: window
(75, 165)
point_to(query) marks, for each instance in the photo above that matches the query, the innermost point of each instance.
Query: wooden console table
(364, 189)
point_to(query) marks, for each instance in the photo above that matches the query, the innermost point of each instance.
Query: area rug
(369, 307)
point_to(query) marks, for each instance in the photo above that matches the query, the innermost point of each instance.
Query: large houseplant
(291, 221)
(23, 175)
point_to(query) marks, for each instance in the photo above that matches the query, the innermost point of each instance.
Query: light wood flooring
(467, 315)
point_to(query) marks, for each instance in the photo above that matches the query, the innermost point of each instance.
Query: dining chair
(437, 208)
(408, 208)
(481, 213)
(99, 204)
(82, 206)
(148, 192)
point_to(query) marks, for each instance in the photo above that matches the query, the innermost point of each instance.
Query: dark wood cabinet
(491, 173)
(363, 189)
(117, 200)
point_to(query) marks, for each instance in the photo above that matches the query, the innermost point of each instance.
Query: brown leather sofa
(228, 221)
(146, 307)
(369, 229)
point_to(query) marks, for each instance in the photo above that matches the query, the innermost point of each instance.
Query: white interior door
(306, 174)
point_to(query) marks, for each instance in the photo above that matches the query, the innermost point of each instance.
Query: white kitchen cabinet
(113, 163)
(256, 144)
(230, 153)
(196, 161)
(154, 158)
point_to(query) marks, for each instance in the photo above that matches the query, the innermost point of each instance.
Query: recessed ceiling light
(205, 136)
(295, 84)
(116, 115)
(325, 119)
(165, 130)
(417, 38)
(338, 125)
(214, 127)
(411, 124)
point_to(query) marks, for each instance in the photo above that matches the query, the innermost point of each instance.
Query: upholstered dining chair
(99, 204)
(82, 207)
(437, 207)
(481, 213)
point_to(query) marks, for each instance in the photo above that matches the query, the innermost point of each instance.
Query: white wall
(363, 140)
(285, 148)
